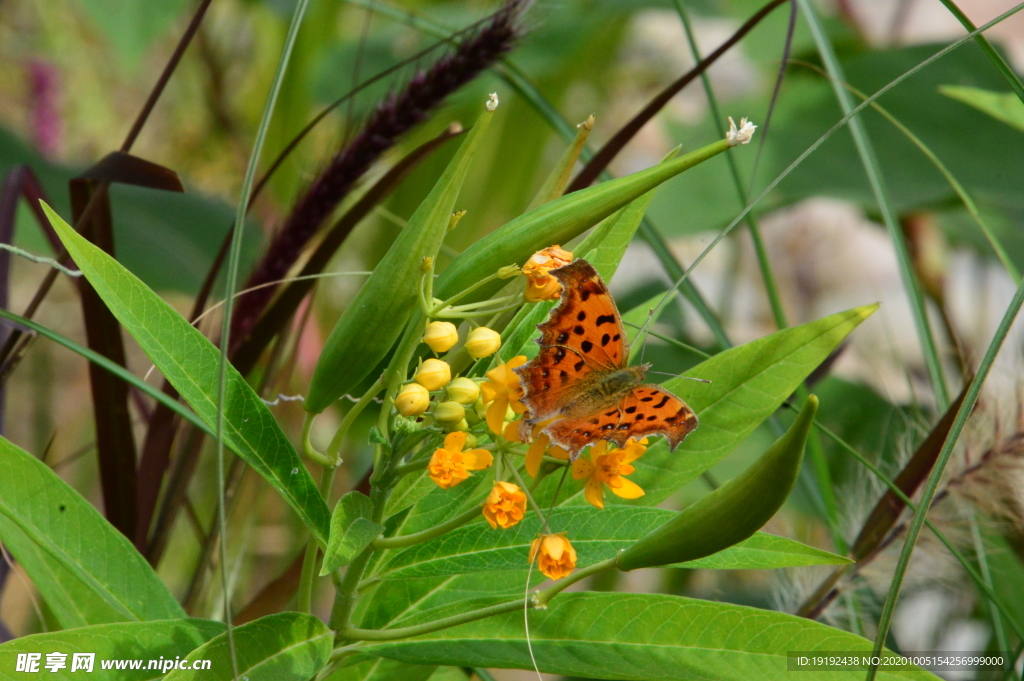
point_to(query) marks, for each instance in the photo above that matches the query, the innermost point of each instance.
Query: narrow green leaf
(1002, 106)
(352, 530)
(374, 319)
(128, 643)
(282, 647)
(190, 361)
(596, 535)
(646, 637)
(88, 572)
(557, 222)
(748, 383)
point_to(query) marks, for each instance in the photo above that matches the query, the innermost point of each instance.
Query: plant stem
(920, 515)
(874, 174)
(335, 447)
(527, 491)
(308, 577)
(402, 541)
(307, 446)
(539, 600)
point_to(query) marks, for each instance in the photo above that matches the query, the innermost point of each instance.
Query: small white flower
(742, 135)
(492, 101)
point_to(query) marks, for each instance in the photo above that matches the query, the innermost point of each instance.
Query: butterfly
(581, 377)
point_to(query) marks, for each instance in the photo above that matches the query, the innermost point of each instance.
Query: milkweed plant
(479, 510)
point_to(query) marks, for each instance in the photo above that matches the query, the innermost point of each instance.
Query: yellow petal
(478, 459)
(496, 414)
(455, 441)
(535, 454)
(594, 492)
(581, 468)
(627, 489)
(517, 361)
(554, 546)
(534, 547)
(558, 453)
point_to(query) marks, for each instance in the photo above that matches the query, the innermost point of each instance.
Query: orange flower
(505, 505)
(502, 390)
(609, 469)
(539, 284)
(555, 556)
(450, 465)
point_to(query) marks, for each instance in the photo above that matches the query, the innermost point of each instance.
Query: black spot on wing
(579, 331)
(586, 346)
(661, 404)
(630, 410)
(579, 365)
(559, 355)
(605, 319)
(562, 337)
(604, 340)
(581, 316)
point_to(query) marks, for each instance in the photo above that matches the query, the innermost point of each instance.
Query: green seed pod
(733, 512)
(373, 321)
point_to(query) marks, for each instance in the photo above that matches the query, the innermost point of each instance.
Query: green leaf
(352, 530)
(381, 669)
(190, 362)
(596, 535)
(88, 572)
(288, 645)
(765, 551)
(603, 248)
(124, 641)
(1002, 106)
(557, 222)
(748, 383)
(646, 637)
(371, 323)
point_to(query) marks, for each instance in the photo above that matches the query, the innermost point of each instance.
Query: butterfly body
(580, 382)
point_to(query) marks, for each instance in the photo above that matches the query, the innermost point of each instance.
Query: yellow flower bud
(433, 374)
(480, 409)
(449, 414)
(462, 427)
(412, 400)
(463, 390)
(441, 336)
(482, 342)
(470, 440)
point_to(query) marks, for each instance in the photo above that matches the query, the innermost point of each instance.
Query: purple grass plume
(395, 115)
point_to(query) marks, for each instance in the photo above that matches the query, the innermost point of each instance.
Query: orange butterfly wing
(582, 341)
(646, 410)
(583, 334)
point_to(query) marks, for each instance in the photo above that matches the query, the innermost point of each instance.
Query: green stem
(347, 595)
(970, 399)
(402, 541)
(987, 48)
(529, 496)
(445, 314)
(309, 561)
(962, 559)
(539, 600)
(335, 447)
(874, 174)
(980, 554)
(412, 466)
(767, 275)
(483, 303)
(307, 446)
(465, 292)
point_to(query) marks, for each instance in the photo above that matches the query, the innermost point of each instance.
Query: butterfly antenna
(689, 378)
(642, 336)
